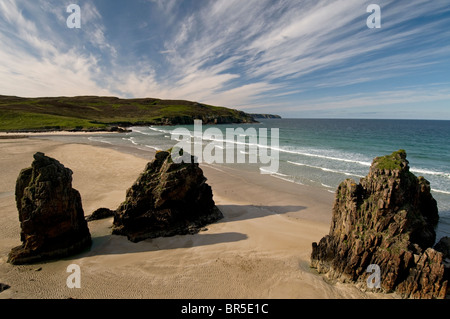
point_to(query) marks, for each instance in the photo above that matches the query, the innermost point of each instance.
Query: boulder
(167, 199)
(388, 220)
(50, 213)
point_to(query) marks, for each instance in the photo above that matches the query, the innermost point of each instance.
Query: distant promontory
(265, 116)
(96, 113)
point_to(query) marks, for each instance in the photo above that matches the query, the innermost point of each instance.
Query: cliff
(387, 220)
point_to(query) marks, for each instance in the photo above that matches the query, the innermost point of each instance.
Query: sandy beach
(260, 250)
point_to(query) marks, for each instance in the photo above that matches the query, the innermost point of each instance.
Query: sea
(317, 152)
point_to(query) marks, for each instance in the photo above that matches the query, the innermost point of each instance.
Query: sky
(295, 58)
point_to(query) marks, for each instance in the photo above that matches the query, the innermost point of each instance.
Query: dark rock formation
(239, 118)
(265, 116)
(118, 129)
(3, 287)
(100, 213)
(387, 220)
(167, 199)
(444, 247)
(50, 213)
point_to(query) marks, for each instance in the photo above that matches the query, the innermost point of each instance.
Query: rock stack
(167, 199)
(387, 220)
(50, 213)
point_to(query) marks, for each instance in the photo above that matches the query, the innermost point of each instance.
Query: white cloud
(67, 74)
(225, 52)
(33, 63)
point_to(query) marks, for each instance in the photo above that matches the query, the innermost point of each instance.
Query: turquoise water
(323, 153)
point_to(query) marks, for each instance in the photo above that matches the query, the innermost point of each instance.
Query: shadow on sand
(243, 212)
(113, 244)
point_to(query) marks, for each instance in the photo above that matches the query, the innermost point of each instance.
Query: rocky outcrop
(4, 287)
(100, 213)
(387, 220)
(167, 199)
(265, 116)
(50, 213)
(239, 118)
(444, 247)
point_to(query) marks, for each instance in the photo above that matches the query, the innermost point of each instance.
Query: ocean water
(325, 152)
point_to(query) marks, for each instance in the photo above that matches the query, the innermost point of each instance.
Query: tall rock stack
(387, 220)
(167, 199)
(50, 213)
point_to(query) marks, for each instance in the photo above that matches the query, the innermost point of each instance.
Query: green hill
(90, 113)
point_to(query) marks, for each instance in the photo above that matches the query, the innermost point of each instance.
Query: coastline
(13, 135)
(260, 250)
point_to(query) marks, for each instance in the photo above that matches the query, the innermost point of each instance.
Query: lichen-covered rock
(388, 220)
(50, 213)
(167, 199)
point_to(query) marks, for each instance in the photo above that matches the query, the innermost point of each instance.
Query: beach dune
(261, 249)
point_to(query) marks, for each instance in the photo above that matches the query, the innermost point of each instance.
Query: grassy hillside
(96, 113)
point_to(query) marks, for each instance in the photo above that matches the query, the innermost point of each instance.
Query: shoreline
(260, 250)
(13, 135)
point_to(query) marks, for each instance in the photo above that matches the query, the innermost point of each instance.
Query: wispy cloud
(34, 64)
(403, 96)
(287, 41)
(243, 54)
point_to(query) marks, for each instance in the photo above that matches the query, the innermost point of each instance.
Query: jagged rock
(100, 213)
(50, 213)
(387, 220)
(167, 199)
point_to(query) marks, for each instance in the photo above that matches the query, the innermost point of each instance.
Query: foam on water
(323, 153)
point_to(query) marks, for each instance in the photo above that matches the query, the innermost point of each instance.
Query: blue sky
(296, 58)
